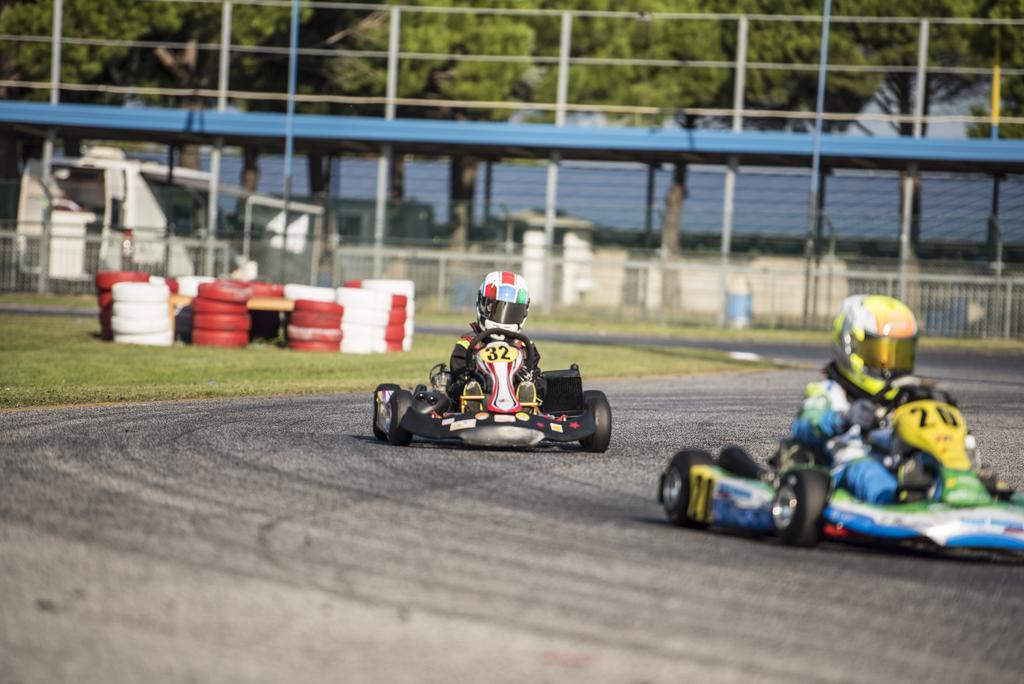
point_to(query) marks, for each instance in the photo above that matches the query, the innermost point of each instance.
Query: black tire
(597, 404)
(399, 403)
(737, 461)
(377, 432)
(798, 505)
(674, 486)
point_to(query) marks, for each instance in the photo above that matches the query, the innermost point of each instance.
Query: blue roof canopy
(344, 133)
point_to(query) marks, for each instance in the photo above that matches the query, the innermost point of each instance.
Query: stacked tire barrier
(315, 326)
(105, 280)
(399, 299)
(219, 315)
(141, 314)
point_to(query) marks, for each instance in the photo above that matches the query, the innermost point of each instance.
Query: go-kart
(948, 508)
(565, 414)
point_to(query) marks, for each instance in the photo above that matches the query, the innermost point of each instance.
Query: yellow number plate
(702, 489)
(499, 353)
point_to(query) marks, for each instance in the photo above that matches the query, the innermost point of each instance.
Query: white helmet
(503, 302)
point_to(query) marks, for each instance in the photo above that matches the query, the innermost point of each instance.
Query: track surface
(271, 540)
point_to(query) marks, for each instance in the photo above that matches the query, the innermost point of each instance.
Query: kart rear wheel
(380, 410)
(674, 486)
(399, 403)
(798, 505)
(597, 404)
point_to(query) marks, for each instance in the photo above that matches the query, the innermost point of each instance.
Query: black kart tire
(400, 402)
(674, 486)
(377, 432)
(597, 404)
(798, 505)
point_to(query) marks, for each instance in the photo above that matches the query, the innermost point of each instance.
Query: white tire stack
(376, 319)
(403, 288)
(296, 292)
(189, 285)
(141, 314)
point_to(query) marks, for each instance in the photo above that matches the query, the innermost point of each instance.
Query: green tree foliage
(949, 45)
(1009, 44)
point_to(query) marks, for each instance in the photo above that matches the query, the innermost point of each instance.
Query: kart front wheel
(674, 486)
(380, 410)
(798, 505)
(398, 404)
(597, 404)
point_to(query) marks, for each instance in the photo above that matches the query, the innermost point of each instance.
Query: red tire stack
(219, 315)
(315, 326)
(105, 280)
(394, 334)
(266, 325)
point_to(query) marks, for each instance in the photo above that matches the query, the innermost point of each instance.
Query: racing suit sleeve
(460, 355)
(818, 420)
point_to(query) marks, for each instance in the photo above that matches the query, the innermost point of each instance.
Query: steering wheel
(529, 348)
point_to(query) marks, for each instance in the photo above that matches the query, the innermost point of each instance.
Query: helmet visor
(887, 356)
(506, 313)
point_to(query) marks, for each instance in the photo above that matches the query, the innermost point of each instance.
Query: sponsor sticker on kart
(462, 424)
(504, 418)
(482, 416)
(555, 427)
(523, 416)
(447, 421)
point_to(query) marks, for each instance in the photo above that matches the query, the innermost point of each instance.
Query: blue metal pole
(819, 106)
(293, 62)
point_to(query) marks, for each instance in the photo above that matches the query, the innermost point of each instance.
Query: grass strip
(593, 322)
(60, 360)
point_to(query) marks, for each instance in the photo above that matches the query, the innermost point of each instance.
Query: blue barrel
(738, 309)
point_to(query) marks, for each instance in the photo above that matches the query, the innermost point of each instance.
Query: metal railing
(566, 58)
(595, 285)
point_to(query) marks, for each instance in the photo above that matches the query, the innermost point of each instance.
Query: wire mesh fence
(598, 284)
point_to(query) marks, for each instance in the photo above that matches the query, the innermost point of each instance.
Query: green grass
(60, 360)
(66, 301)
(591, 322)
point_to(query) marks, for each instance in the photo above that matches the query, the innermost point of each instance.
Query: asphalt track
(274, 540)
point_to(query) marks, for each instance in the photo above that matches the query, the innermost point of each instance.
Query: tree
(447, 78)
(1007, 42)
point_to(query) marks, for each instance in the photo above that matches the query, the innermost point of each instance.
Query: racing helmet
(874, 339)
(503, 302)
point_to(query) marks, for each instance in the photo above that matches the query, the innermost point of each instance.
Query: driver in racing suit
(503, 303)
(874, 340)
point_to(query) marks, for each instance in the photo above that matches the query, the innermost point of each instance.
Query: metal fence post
(384, 161)
(907, 217)
(289, 122)
(1008, 311)
(213, 207)
(551, 192)
(442, 281)
(819, 107)
(728, 196)
(43, 284)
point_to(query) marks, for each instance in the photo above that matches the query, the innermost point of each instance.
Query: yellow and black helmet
(874, 339)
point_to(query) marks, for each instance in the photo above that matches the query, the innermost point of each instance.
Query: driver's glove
(862, 413)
